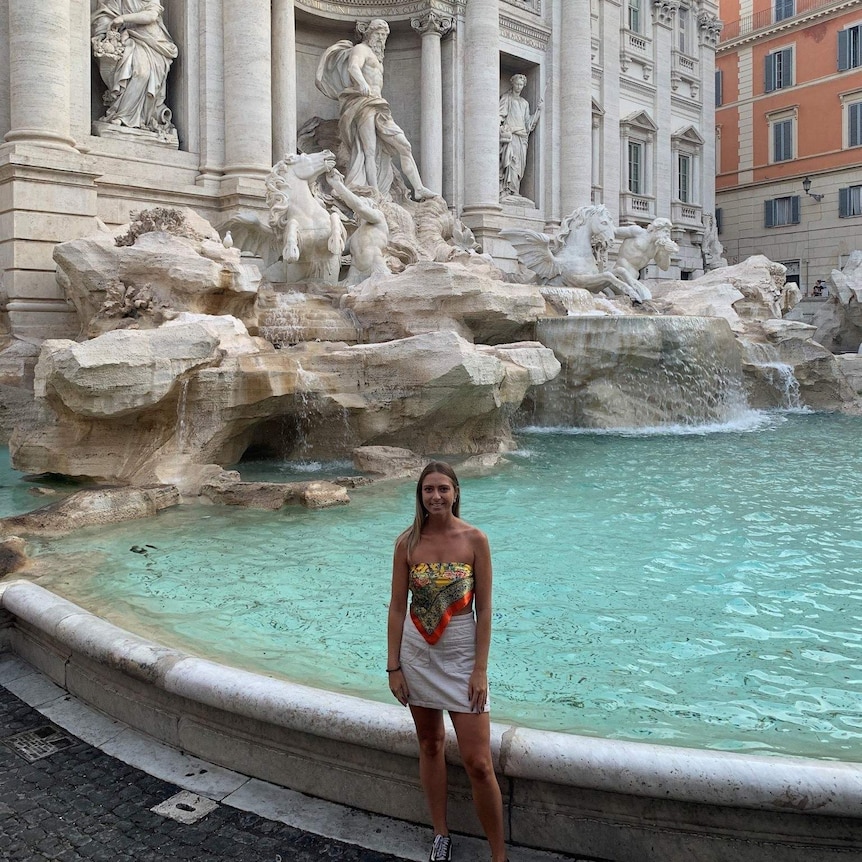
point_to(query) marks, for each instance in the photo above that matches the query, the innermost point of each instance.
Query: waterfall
(182, 415)
(641, 371)
(762, 362)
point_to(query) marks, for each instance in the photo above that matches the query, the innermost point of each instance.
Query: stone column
(576, 75)
(432, 26)
(247, 88)
(710, 29)
(481, 111)
(283, 79)
(39, 61)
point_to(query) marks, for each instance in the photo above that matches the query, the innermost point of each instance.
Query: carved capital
(665, 10)
(710, 28)
(434, 23)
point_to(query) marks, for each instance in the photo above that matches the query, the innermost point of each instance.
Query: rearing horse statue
(308, 237)
(571, 257)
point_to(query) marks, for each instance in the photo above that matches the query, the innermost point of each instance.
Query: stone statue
(368, 242)
(711, 247)
(572, 257)
(516, 125)
(353, 74)
(307, 236)
(134, 51)
(640, 246)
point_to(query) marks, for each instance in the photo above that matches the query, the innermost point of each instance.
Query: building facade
(789, 133)
(626, 88)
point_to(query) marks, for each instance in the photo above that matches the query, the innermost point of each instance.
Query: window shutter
(854, 120)
(787, 67)
(718, 221)
(843, 50)
(769, 73)
(794, 209)
(844, 203)
(769, 213)
(719, 96)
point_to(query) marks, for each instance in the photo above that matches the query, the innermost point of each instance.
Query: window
(636, 167)
(781, 211)
(782, 140)
(683, 178)
(719, 87)
(784, 9)
(850, 202)
(682, 21)
(719, 215)
(850, 48)
(634, 9)
(854, 124)
(778, 71)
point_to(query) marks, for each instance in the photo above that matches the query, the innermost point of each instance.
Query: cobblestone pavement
(81, 804)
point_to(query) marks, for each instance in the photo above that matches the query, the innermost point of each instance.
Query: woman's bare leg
(432, 763)
(474, 742)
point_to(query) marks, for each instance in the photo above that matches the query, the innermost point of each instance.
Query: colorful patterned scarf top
(439, 591)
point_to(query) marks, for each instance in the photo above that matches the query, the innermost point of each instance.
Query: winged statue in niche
(577, 255)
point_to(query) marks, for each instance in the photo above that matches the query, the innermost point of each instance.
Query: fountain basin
(626, 801)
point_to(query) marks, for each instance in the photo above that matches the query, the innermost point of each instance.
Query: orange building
(789, 133)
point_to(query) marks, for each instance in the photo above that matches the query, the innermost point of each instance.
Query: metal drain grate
(41, 742)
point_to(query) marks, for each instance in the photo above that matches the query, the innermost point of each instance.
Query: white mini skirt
(438, 675)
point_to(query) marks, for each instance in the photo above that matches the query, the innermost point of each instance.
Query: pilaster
(283, 79)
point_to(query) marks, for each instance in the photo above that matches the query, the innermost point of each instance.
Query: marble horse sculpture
(572, 256)
(308, 237)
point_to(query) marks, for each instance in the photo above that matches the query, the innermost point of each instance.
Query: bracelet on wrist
(393, 669)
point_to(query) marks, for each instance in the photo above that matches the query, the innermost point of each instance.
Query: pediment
(598, 110)
(690, 135)
(640, 120)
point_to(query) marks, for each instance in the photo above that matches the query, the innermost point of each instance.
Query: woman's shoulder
(473, 534)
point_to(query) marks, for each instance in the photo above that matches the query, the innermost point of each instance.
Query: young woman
(438, 652)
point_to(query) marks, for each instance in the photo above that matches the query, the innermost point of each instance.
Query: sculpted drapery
(134, 51)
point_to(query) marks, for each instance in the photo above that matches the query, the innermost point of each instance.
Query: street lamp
(806, 187)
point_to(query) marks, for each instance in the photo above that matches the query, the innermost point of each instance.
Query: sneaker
(441, 849)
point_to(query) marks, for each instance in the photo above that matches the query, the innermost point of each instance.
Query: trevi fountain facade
(225, 232)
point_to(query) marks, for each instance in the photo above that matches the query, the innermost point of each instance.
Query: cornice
(390, 10)
(787, 24)
(534, 6)
(526, 34)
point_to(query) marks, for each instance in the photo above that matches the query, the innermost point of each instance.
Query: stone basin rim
(773, 783)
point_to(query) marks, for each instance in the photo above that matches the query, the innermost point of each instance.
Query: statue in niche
(711, 247)
(639, 247)
(353, 74)
(516, 126)
(575, 256)
(134, 52)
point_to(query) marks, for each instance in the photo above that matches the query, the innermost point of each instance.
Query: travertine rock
(140, 423)
(122, 371)
(92, 508)
(428, 297)
(273, 495)
(390, 462)
(851, 366)
(750, 291)
(839, 319)
(13, 555)
(143, 284)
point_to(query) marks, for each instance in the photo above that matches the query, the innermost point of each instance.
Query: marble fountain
(192, 355)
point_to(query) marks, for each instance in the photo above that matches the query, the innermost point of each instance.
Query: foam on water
(699, 590)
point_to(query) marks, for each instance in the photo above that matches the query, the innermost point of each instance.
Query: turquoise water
(699, 589)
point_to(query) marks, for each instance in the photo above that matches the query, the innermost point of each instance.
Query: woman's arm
(395, 622)
(478, 692)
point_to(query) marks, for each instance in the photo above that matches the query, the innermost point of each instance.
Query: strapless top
(439, 590)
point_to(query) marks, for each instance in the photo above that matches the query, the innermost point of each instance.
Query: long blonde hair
(414, 532)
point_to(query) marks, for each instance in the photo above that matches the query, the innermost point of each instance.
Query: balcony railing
(766, 18)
